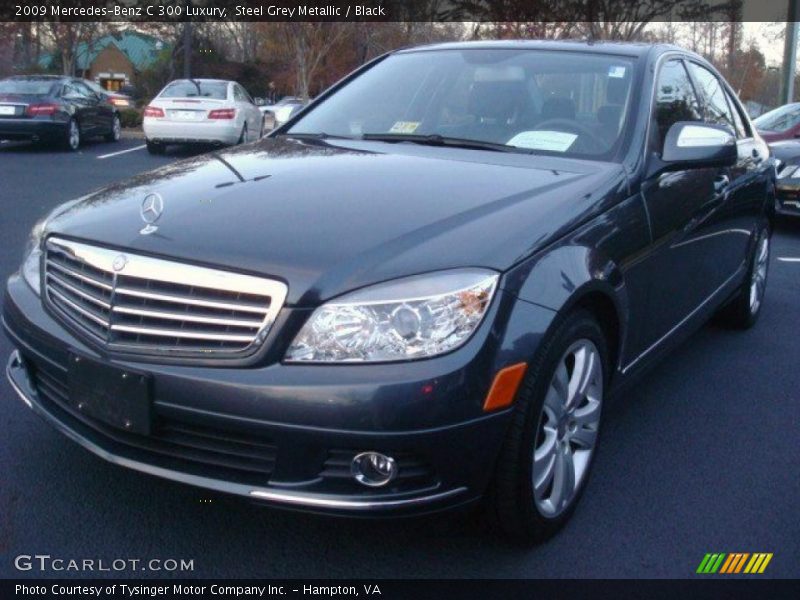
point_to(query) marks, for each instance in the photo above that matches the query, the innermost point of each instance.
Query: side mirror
(260, 102)
(696, 145)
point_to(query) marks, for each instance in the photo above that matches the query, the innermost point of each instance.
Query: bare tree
(304, 46)
(66, 38)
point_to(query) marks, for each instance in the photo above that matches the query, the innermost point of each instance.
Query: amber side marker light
(504, 387)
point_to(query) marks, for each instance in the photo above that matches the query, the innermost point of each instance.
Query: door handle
(757, 158)
(721, 184)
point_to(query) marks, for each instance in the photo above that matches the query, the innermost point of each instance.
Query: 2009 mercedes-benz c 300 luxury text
(418, 293)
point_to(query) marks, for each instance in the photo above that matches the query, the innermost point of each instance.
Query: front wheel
(743, 311)
(548, 453)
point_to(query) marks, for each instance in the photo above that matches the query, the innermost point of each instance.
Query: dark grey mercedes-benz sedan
(416, 294)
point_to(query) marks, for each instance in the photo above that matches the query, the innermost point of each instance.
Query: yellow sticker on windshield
(404, 127)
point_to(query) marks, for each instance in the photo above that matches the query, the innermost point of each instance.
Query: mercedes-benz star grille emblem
(120, 262)
(151, 211)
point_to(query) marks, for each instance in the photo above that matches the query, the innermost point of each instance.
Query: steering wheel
(575, 127)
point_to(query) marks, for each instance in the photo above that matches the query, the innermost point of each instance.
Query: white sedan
(277, 114)
(192, 111)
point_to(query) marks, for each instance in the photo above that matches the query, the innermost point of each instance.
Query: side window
(71, 90)
(675, 99)
(237, 94)
(717, 110)
(742, 130)
(85, 90)
(245, 96)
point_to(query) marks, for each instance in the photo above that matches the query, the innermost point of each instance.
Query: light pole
(790, 52)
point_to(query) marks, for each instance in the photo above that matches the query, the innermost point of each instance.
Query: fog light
(373, 469)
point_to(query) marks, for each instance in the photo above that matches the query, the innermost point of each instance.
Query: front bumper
(220, 131)
(270, 434)
(113, 452)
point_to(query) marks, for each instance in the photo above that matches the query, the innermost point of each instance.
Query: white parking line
(122, 151)
(788, 259)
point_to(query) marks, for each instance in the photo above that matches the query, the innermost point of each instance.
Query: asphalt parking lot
(702, 456)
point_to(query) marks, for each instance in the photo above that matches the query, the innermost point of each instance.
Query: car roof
(53, 78)
(201, 80)
(634, 49)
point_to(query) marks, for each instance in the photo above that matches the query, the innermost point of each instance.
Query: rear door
(103, 110)
(683, 264)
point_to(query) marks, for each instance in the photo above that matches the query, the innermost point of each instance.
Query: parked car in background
(191, 111)
(55, 109)
(787, 155)
(782, 123)
(279, 113)
(422, 292)
(118, 99)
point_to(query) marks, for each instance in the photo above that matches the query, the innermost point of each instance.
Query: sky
(764, 35)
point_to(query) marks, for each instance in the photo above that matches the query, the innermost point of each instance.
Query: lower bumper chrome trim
(15, 368)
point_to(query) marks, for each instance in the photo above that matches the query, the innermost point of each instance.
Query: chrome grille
(137, 303)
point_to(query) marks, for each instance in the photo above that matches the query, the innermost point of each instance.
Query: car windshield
(217, 90)
(780, 119)
(565, 103)
(28, 87)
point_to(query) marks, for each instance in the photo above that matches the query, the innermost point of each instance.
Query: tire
(116, 130)
(534, 516)
(743, 310)
(243, 136)
(155, 147)
(72, 136)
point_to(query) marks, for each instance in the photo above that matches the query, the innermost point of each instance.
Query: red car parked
(782, 123)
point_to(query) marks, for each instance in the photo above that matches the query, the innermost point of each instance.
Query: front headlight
(32, 257)
(415, 317)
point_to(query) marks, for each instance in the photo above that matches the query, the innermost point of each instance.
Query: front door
(681, 206)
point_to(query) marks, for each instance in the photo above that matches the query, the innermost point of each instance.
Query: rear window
(781, 119)
(197, 89)
(26, 87)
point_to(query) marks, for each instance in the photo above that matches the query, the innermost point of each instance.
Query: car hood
(328, 217)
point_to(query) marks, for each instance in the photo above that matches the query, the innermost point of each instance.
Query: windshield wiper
(315, 136)
(438, 140)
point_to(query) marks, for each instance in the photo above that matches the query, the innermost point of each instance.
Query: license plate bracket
(118, 397)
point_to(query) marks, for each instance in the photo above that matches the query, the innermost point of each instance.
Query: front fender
(599, 264)
(572, 275)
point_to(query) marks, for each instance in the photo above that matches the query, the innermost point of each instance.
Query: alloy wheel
(568, 426)
(758, 280)
(74, 139)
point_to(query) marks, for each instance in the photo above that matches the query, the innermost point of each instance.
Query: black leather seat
(558, 108)
(495, 106)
